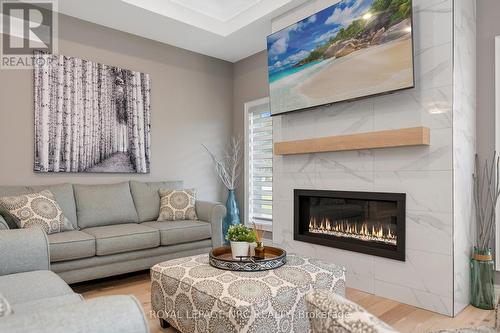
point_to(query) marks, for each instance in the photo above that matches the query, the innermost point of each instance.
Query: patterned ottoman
(193, 296)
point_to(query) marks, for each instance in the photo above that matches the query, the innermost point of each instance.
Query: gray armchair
(42, 302)
(23, 250)
(113, 314)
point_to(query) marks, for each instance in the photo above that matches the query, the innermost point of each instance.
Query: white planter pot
(252, 247)
(239, 249)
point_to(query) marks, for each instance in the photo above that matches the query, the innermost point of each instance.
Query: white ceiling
(226, 29)
(222, 10)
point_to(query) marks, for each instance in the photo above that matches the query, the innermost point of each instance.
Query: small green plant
(240, 233)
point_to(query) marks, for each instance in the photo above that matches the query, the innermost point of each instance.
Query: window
(259, 163)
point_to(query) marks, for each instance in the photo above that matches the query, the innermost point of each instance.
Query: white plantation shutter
(259, 150)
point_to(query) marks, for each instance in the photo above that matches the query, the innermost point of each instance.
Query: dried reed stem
(228, 166)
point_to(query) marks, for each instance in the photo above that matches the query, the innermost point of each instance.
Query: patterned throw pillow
(332, 313)
(177, 205)
(5, 308)
(36, 210)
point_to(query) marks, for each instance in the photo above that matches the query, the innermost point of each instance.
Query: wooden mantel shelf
(416, 136)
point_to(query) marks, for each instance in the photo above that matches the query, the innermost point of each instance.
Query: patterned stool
(193, 296)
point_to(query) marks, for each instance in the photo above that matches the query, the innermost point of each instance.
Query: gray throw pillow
(36, 210)
(104, 204)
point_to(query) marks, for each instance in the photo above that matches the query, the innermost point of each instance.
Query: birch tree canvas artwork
(90, 117)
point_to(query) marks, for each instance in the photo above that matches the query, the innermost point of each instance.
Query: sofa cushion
(31, 286)
(177, 205)
(147, 199)
(112, 314)
(106, 204)
(36, 210)
(177, 232)
(47, 303)
(62, 192)
(5, 308)
(71, 245)
(121, 238)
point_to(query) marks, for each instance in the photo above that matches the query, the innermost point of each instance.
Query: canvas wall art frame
(90, 117)
(350, 50)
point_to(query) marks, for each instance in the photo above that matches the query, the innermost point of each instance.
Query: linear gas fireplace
(366, 222)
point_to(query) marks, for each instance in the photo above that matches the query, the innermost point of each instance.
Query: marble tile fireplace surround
(365, 222)
(436, 178)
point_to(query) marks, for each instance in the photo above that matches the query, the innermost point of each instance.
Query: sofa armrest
(212, 212)
(23, 250)
(3, 224)
(112, 314)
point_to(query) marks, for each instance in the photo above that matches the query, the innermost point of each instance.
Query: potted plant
(228, 168)
(240, 238)
(486, 194)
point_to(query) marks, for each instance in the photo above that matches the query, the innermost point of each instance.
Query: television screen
(353, 49)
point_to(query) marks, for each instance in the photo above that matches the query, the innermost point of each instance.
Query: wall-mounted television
(350, 50)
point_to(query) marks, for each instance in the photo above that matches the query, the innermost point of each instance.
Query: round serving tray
(221, 257)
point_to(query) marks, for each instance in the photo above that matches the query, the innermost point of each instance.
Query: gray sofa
(42, 302)
(116, 230)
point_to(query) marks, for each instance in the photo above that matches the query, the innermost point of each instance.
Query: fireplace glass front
(366, 222)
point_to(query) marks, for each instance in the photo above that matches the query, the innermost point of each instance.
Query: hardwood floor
(404, 318)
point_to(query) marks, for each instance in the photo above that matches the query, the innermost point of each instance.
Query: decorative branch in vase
(486, 194)
(228, 168)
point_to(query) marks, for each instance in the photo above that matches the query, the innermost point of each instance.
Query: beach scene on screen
(352, 49)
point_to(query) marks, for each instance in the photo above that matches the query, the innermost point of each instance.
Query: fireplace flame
(348, 229)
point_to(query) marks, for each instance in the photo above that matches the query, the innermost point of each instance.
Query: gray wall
(191, 104)
(250, 83)
(488, 26)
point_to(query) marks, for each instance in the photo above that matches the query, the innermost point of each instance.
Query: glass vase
(482, 278)
(232, 215)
